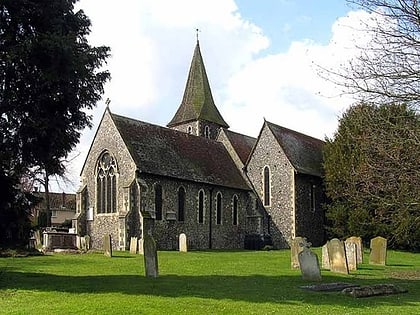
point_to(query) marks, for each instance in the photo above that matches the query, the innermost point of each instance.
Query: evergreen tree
(49, 77)
(372, 174)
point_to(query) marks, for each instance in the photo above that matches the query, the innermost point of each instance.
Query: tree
(372, 174)
(387, 70)
(49, 77)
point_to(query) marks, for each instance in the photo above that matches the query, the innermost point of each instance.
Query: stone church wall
(310, 213)
(107, 138)
(225, 235)
(281, 209)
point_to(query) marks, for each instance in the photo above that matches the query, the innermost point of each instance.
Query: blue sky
(284, 21)
(261, 59)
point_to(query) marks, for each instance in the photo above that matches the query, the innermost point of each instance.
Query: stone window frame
(106, 204)
(158, 201)
(207, 131)
(235, 210)
(54, 213)
(266, 186)
(312, 197)
(189, 130)
(201, 206)
(219, 208)
(181, 218)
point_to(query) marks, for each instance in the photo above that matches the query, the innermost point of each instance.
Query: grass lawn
(197, 282)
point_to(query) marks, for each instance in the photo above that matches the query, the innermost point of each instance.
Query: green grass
(201, 282)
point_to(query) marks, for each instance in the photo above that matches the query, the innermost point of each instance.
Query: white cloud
(152, 43)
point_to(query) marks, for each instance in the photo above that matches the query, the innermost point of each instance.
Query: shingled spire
(197, 110)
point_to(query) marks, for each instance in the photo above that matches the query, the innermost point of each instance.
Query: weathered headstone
(133, 245)
(150, 256)
(309, 265)
(83, 243)
(87, 242)
(141, 247)
(359, 247)
(378, 251)
(183, 243)
(351, 255)
(337, 255)
(296, 246)
(325, 257)
(107, 245)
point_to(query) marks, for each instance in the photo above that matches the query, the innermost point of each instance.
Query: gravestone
(83, 243)
(359, 247)
(87, 242)
(325, 257)
(378, 251)
(133, 245)
(150, 256)
(183, 243)
(337, 255)
(309, 265)
(141, 247)
(296, 246)
(107, 245)
(351, 255)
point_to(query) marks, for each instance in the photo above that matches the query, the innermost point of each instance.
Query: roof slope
(304, 152)
(166, 152)
(197, 103)
(241, 143)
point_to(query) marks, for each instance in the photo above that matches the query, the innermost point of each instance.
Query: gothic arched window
(158, 202)
(235, 210)
(219, 208)
(207, 132)
(266, 184)
(201, 206)
(106, 184)
(181, 203)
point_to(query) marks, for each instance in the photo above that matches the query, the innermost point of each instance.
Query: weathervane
(196, 33)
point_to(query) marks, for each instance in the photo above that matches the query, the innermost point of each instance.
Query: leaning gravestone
(325, 257)
(351, 255)
(309, 265)
(107, 245)
(337, 255)
(183, 243)
(150, 256)
(296, 246)
(133, 245)
(359, 247)
(378, 251)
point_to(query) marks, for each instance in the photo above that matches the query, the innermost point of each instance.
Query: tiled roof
(166, 152)
(241, 143)
(197, 103)
(304, 152)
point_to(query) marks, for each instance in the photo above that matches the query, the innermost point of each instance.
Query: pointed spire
(197, 103)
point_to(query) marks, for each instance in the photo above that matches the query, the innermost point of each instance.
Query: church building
(223, 189)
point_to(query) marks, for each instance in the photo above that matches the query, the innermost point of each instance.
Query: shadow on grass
(253, 288)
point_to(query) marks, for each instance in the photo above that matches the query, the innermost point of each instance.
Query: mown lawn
(198, 282)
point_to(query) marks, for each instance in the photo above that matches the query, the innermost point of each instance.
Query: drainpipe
(210, 217)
